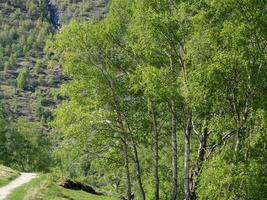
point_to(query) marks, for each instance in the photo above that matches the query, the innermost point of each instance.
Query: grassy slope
(44, 189)
(7, 175)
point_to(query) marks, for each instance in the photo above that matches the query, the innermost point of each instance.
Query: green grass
(43, 188)
(7, 174)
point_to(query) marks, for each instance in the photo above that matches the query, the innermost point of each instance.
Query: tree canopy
(155, 79)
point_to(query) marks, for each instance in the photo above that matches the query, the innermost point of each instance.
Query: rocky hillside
(80, 9)
(26, 83)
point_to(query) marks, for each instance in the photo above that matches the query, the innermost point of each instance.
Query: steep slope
(80, 9)
(26, 83)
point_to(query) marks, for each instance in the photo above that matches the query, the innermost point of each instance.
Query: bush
(38, 66)
(22, 78)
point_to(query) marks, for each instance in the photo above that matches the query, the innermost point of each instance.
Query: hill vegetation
(24, 77)
(27, 84)
(7, 174)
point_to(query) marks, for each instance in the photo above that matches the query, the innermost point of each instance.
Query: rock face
(81, 10)
(69, 184)
(53, 12)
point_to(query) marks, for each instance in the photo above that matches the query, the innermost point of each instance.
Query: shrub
(22, 78)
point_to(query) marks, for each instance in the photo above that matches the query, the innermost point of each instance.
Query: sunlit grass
(43, 188)
(7, 174)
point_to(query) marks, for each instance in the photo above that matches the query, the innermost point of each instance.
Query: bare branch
(219, 142)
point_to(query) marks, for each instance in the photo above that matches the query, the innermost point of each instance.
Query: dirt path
(23, 178)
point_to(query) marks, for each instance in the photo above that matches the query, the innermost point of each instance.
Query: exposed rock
(96, 10)
(69, 184)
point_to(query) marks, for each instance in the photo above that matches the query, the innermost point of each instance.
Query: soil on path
(22, 179)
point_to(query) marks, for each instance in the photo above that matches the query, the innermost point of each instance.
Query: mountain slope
(24, 77)
(26, 84)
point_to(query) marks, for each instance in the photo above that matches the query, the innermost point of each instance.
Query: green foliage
(24, 146)
(245, 178)
(38, 66)
(203, 61)
(22, 79)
